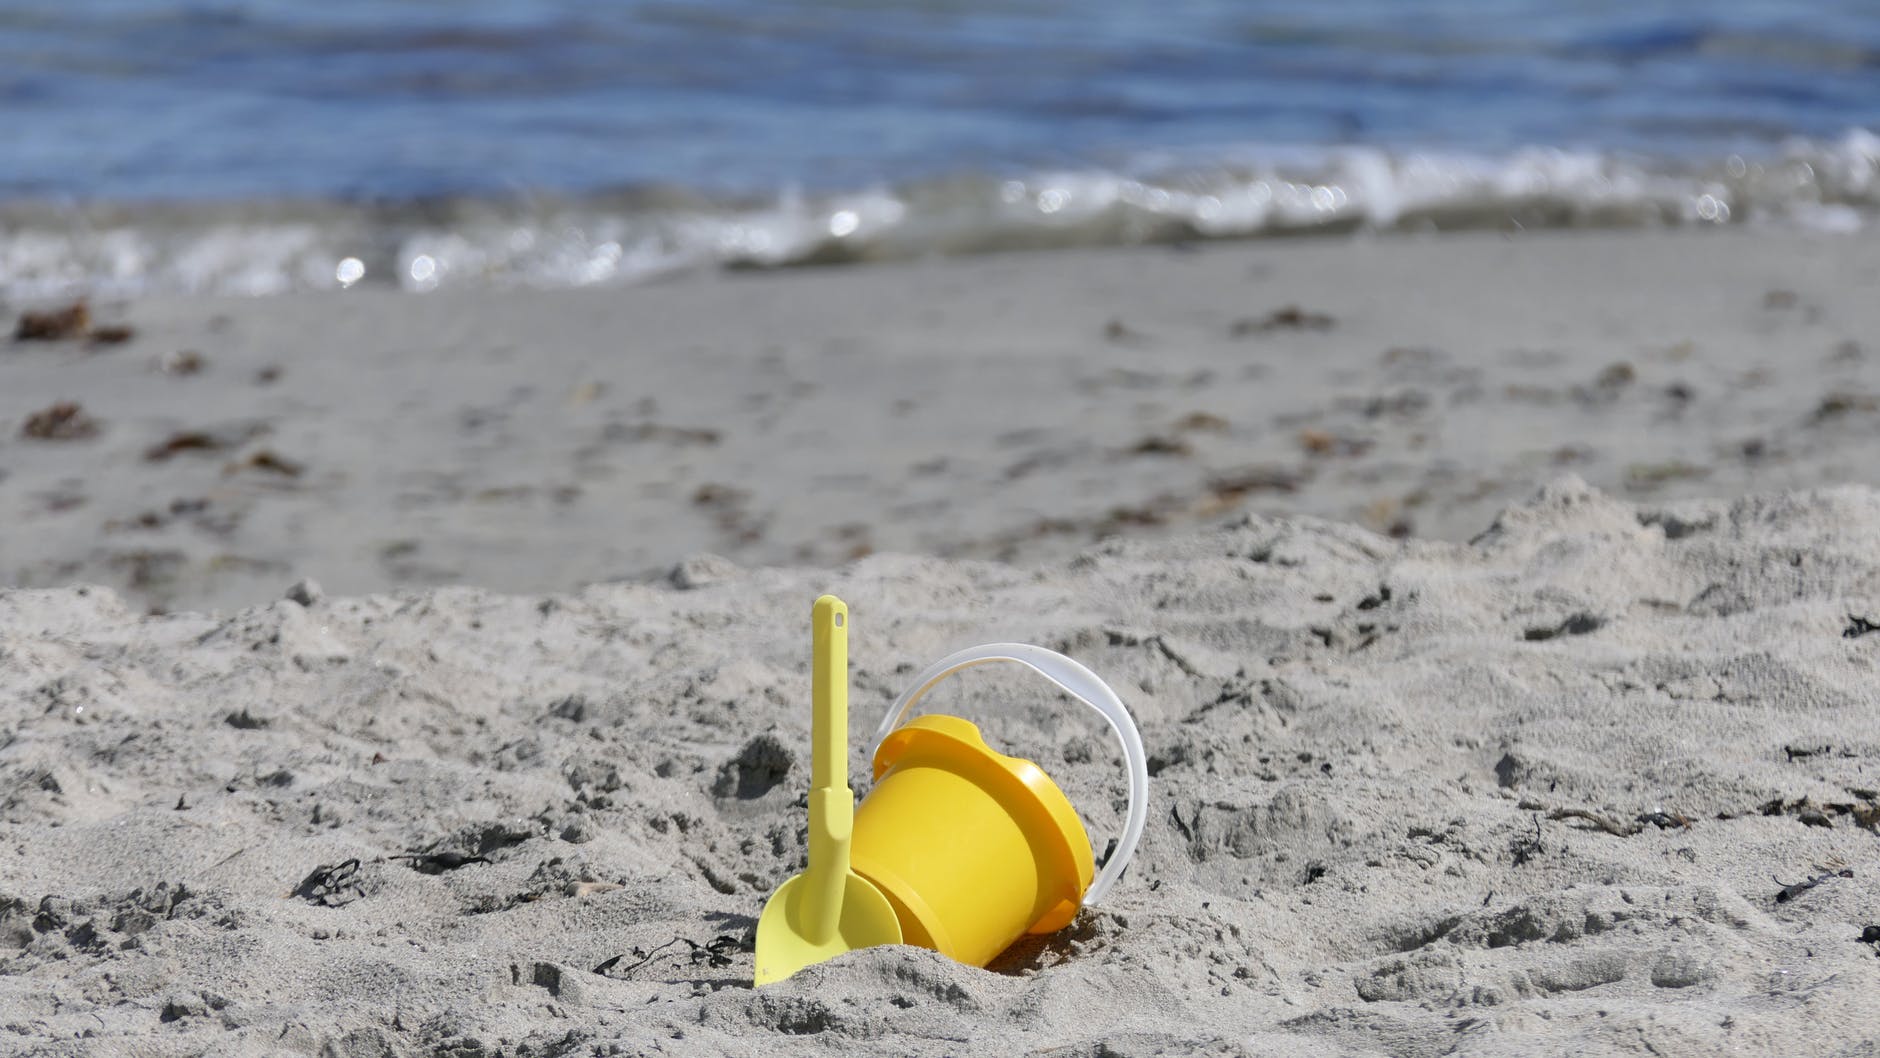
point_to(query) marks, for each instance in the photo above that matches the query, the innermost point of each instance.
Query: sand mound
(1528, 795)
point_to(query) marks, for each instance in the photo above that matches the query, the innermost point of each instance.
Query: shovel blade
(784, 946)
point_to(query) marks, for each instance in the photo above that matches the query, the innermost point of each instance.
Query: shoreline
(607, 236)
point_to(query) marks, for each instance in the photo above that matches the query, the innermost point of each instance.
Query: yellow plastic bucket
(974, 848)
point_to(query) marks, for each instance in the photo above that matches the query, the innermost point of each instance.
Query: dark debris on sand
(53, 325)
(716, 953)
(1795, 889)
(437, 862)
(64, 421)
(184, 441)
(332, 885)
(1287, 318)
(68, 323)
(266, 459)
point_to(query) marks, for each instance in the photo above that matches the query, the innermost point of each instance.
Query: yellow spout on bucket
(973, 848)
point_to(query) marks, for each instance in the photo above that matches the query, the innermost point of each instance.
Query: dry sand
(1008, 407)
(1524, 783)
(1369, 761)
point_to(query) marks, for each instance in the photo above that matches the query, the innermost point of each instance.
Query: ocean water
(254, 146)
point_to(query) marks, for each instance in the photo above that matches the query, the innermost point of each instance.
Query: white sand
(1360, 747)
(1524, 783)
(979, 408)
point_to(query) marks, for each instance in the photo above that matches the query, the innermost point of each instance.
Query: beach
(393, 674)
(1008, 407)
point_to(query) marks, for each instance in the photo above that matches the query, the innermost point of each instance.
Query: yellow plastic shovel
(828, 909)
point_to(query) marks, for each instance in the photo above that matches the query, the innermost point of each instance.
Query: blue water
(646, 114)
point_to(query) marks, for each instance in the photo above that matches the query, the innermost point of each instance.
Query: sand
(1537, 784)
(1368, 757)
(1013, 407)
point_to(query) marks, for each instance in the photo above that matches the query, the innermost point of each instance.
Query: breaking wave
(624, 237)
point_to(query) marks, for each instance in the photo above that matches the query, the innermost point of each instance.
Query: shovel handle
(829, 693)
(831, 802)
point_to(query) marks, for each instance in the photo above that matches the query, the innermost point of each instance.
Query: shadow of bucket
(973, 848)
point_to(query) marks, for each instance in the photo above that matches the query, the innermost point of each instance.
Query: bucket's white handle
(1081, 684)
